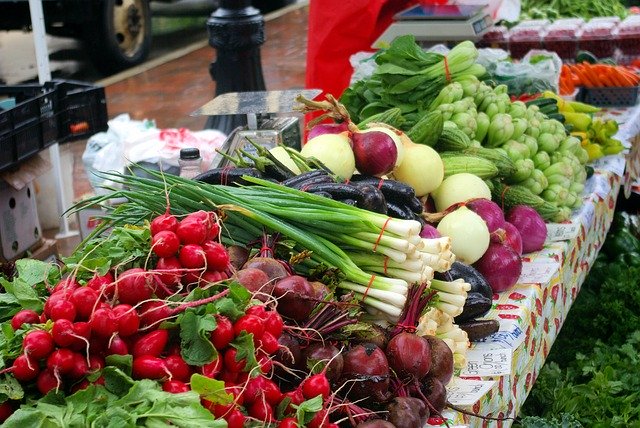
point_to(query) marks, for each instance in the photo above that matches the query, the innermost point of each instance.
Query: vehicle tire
(121, 36)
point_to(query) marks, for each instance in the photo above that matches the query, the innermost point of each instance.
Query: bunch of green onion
(378, 256)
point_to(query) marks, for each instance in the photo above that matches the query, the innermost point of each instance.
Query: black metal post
(236, 31)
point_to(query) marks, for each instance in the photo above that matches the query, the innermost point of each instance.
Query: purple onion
(327, 128)
(531, 226)
(489, 211)
(500, 266)
(429, 232)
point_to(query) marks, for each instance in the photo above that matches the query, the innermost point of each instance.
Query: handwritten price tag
(562, 231)
(485, 363)
(465, 392)
(510, 336)
(538, 272)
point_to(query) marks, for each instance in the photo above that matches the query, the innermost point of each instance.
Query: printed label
(485, 363)
(465, 392)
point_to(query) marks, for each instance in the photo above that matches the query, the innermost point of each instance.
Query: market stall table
(502, 369)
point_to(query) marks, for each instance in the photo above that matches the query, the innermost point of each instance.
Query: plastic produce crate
(609, 97)
(56, 112)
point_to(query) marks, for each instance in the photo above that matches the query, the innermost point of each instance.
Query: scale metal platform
(438, 23)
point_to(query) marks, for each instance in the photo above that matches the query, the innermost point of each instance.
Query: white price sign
(466, 392)
(488, 362)
(539, 271)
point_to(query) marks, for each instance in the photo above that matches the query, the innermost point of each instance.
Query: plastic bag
(538, 71)
(129, 141)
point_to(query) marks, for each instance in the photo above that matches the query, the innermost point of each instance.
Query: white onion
(468, 232)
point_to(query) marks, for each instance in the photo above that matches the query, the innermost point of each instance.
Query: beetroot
(296, 297)
(366, 372)
(409, 355)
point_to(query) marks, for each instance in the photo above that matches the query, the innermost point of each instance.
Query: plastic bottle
(190, 162)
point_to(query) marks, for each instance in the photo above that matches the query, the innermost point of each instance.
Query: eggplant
(373, 199)
(479, 329)
(470, 275)
(475, 306)
(228, 176)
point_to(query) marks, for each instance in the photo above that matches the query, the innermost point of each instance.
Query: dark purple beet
(319, 354)
(296, 297)
(370, 333)
(238, 256)
(435, 393)
(272, 267)
(256, 281)
(407, 412)
(289, 353)
(376, 423)
(409, 355)
(441, 360)
(366, 372)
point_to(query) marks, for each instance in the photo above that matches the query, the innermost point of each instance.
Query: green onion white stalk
(435, 322)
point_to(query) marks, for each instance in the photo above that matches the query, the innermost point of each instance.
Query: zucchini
(453, 139)
(427, 130)
(541, 102)
(456, 163)
(557, 116)
(392, 117)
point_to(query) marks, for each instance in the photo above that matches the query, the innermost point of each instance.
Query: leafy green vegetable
(243, 343)
(28, 288)
(195, 330)
(307, 410)
(122, 402)
(210, 389)
(125, 247)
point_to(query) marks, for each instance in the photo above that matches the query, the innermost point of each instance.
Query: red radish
(25, 369)
(295, 398)
(264, 361)
(192, 256)
(210, 277)
(103, 285)
(63, 333)
(214, 231)
(319, 420)
(250, 324)
(212, 369)
(315, 385)
(153, 312)
(192, 231)
(66, 284)
(510, 236)
(231, 363)
(38, 344)
(254, 389)
(25, 316)
(175, 386)
(500, 266)
(149, 367)
(104, 322)
(60, 296)
(62, 309)
(178, 368)
(288, 423)
(237, 391)
(80, 366)
(229, 377)
(409, 355)
(152, 343)
(61, 361)
(532, 228)
(134, 286)
(84, 301)
(81, 330)
(268, 343)
(223, 334)
(96, 363)
(261, 410)
(193, 276)
(169, 271)
(235, 419)
(273, 323)
(5, 411)
(163, 222)
(216, 255)
(117, 346)
(47, 381)
(165, 243)
(128, 320)
(259, 311)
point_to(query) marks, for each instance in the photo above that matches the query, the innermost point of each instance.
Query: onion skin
(327, 128)
(510, 236)
(468, 232)
(531, 226)
(429, 232)
(500, 266)
(375, 152)
(490, 213)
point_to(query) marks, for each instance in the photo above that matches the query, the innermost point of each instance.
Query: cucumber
(456, 163)
(427, 130)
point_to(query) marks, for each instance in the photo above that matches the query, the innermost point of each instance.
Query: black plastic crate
(7, 150)
(83, 110)
(609, 96)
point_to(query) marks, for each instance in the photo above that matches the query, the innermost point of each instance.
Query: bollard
(236, 31)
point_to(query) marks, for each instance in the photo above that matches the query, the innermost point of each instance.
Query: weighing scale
(438, 23)
(264, 126)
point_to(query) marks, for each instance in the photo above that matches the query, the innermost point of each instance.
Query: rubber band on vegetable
(504, 191)
(373, 277)
(224, 174)
(380, 183)
(384, 265)
(447, 74)
(384, 226)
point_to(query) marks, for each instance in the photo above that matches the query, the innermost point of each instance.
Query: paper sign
(510, 336)
(538, 272)
(466, 392)
(587, 213)
(562, 231)
(486, 363)
(614, 163)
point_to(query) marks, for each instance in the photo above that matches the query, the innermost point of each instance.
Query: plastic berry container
(496, 38)
(525, 37)
(627, 36)
(562, 38)
(597, 38)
